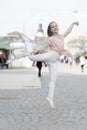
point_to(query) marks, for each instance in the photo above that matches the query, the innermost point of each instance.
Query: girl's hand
(76, 23)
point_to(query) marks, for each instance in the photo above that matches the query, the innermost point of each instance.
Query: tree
(78, 45)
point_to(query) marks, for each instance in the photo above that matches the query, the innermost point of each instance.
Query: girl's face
(54, 28)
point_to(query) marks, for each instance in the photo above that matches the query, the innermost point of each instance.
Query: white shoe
(50, 102)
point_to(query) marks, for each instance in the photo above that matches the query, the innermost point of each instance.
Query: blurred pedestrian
(82, 63)
(39, 65)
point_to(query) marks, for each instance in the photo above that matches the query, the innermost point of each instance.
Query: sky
(25, 15)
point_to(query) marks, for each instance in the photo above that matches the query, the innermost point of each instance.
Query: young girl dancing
(50, 54)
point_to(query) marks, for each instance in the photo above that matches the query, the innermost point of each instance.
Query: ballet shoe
(50, 102)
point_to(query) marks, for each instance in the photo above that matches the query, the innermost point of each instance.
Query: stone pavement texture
(27, 109)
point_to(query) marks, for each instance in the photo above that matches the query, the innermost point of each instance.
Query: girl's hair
(49, 33)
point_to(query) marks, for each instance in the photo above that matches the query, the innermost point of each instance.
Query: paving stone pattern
(27, 109)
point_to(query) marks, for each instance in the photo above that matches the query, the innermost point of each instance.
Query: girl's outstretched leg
(49, 56)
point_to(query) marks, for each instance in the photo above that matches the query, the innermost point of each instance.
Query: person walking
(39, 65)
(50, 54)
(82, 63)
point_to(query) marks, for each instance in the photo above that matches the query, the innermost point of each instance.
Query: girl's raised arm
(70, 28)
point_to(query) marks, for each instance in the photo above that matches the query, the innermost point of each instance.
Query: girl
(50, 53)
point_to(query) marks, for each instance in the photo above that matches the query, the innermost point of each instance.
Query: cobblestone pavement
(27, 109)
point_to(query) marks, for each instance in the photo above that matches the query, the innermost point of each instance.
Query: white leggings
(51, 58)
(52, 78)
